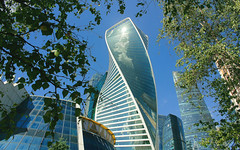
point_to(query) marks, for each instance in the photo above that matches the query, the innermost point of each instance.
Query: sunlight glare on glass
(124, 29)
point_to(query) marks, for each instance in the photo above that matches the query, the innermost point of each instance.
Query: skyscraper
(171, 134)
(127, 103)
(97, 82)
(192, 109)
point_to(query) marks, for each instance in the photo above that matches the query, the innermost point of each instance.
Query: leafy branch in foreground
(208, 36)
(59, 145)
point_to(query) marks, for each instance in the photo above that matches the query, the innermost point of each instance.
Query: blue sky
(161, 53)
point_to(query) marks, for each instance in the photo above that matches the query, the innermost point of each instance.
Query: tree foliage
(39, 39)
(208, 37)
(59, 145)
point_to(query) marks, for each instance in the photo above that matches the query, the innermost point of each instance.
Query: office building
(31, 128)
(192, 109)
(171, 134)
(127, 102)
(29, 134)
(97, 82)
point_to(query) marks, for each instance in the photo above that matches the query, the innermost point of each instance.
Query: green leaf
(60, 116)
(20, 86)
(49, 144)
(59, 34)
(64, 93)
(45, 85)
(77, 112)
(47, 116)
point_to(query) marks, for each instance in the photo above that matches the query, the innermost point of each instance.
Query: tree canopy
(208, 37)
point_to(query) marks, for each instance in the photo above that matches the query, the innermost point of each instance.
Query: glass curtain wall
(171, 133)
(97, 82)
(127, 103)
(192, 109)
(31, 129)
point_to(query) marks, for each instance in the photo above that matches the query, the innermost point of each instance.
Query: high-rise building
(192, 109)
(31, 128)
(171, 134)
(28, 128)
(127, 103)
(97, 82)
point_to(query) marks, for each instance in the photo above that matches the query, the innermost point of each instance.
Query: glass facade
(96, 136)
(192, 109)
(95, 142)
(171, 134)
(97, 82)
(127, 102)
(31, 128)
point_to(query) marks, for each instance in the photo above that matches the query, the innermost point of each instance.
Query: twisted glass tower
(127, 102)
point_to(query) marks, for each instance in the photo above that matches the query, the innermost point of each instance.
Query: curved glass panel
(128, 57)
(128, 45)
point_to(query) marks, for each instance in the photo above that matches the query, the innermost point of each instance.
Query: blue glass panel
(34, 147)
(40, 133)
(73, 146)
(67, 124)
(95, 142)
(74, 125)
(41, 103)
(27, 124)
(34, 125)
(30, 105)
(35, 103)
(23, 146)
(19, 123)
(43, 148)
(66, 130)
(3, 144)
(45, 141)
(58, 129)
(31, 132)
(60, 122)
(32, 117)
(38, 107)
(17, 138)
(38, 119)
(68, 112)
(67, 117)
(11, 146)
(37, 140)
(74, 132)
(38, 98)
(34, 112)
(43, 126)
(27, 139)
(74, 139)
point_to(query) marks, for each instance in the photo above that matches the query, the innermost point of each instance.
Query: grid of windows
(117, 106)
(192, 109)
(171, 135)
(96, 81)
(31, 129)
